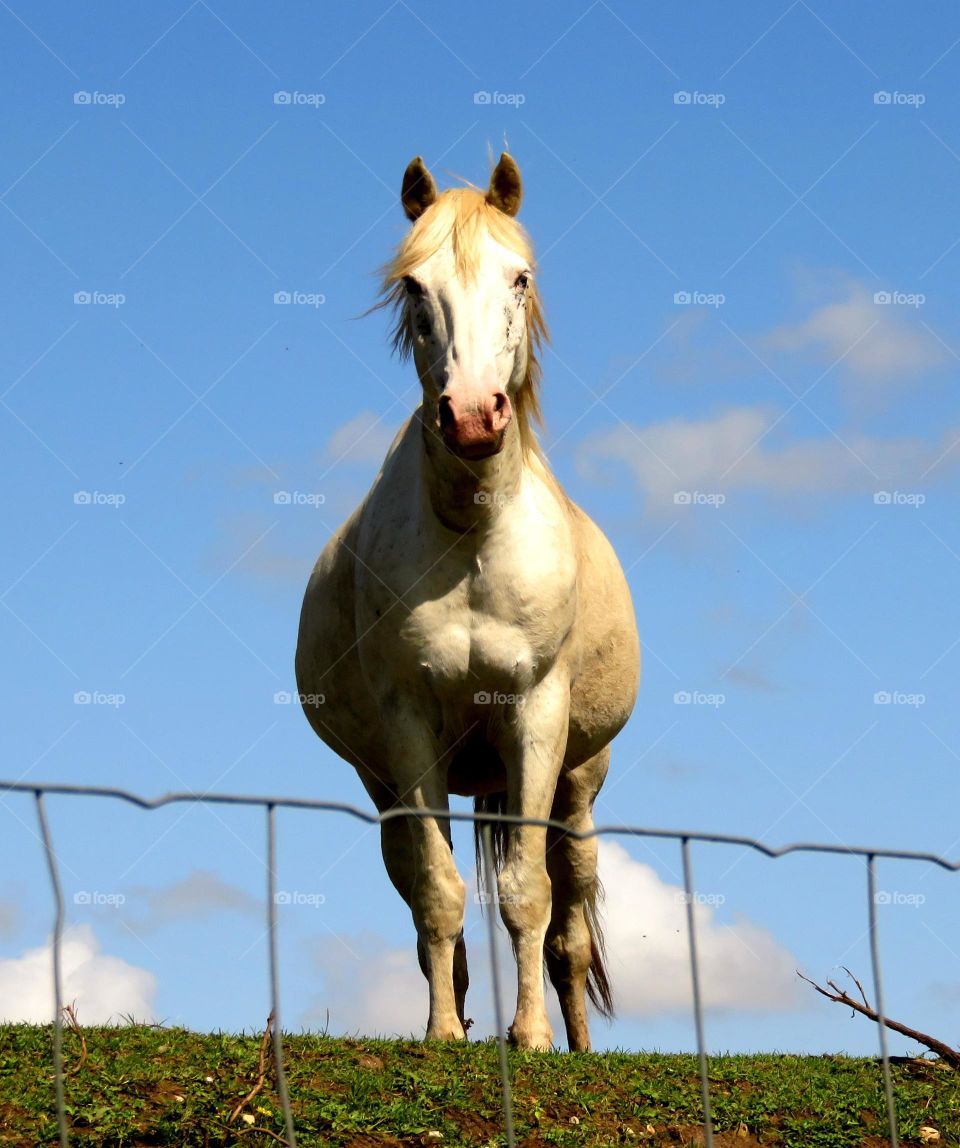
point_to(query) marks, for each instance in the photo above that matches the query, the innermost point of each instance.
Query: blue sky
(748, 237)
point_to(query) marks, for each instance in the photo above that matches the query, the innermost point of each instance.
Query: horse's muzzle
(474, 427)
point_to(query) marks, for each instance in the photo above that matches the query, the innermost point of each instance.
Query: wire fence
(270, 805)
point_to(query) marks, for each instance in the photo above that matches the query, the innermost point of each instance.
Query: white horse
(469, 627)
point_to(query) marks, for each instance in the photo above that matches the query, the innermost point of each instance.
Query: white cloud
(372, 987)
(878, 343)
(104, 987)
(743, 968)
(364, 439)
(734, 452)
(369, 987)
(196, 897)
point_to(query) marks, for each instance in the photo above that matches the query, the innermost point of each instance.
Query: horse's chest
(482, 623)
(477, 630)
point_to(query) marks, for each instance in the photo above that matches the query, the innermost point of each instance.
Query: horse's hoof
(533, 1038)
(446, 1032)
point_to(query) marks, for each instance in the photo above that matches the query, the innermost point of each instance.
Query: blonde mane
(462, 216)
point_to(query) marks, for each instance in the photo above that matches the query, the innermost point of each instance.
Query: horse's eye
(411, 286)
(522, 282)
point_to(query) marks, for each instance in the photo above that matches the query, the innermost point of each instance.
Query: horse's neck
(468, 495)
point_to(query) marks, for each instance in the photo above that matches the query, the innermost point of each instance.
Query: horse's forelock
(461, 217)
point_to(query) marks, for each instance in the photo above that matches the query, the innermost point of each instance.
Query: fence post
(878, 993)
(697, 1001)
(274, 974)
(490, 880)
(57, 982)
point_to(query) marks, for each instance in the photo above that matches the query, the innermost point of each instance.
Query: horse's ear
(419, 190)
(506, 187)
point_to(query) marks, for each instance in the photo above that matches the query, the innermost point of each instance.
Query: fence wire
(270, 805)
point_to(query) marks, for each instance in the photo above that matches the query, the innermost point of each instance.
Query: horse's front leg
(437, 891)
(532, 753)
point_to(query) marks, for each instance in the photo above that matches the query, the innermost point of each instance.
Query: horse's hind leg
(396, 845)
(573, 946)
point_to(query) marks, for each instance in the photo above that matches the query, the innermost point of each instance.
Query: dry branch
(70, 1012)
(948, 1055)
(252, 1130)
(261, 1072)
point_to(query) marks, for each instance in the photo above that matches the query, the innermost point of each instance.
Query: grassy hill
(138, 1086)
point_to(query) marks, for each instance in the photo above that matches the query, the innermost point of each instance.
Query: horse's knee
(524, 898)
(439, 896)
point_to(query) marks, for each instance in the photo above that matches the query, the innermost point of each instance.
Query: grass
(140, 1085)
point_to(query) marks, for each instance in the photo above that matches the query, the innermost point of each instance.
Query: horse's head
(467, 308)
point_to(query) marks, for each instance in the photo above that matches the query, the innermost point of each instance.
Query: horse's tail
(490, 803)
(598, 979)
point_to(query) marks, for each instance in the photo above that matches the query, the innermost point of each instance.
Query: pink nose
(473, 426)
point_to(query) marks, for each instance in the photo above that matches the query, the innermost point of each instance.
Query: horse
(469, 630)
